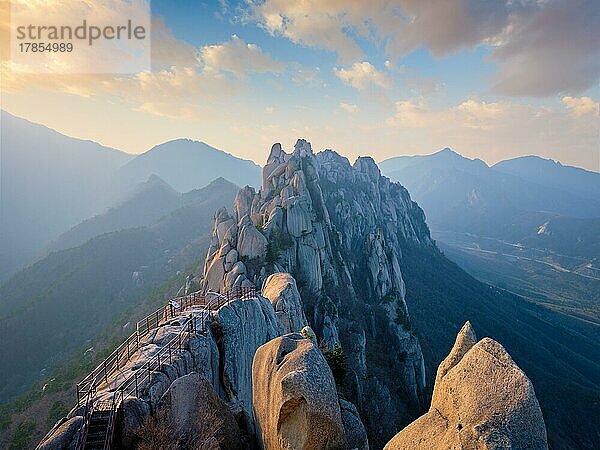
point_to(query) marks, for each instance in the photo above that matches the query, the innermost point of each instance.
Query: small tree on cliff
(338, 362)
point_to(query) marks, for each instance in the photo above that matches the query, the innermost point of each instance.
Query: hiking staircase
(100, 416)
(101, 427)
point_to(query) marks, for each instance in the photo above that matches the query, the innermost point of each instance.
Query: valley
(565, 283)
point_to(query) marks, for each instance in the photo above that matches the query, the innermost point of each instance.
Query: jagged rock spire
(481, 399)
(339, 230)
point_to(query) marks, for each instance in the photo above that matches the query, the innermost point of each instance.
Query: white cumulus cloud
(363, 75)
(238, 58)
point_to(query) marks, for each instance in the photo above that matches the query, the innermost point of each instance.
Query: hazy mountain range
(129, 228)
(528, 200)
(69, 296)
(529, 225)
(52, 182)
(183, 163)
(49, 183)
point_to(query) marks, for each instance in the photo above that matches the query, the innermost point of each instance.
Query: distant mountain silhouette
(71, 295)
(50, 182)
(549, 173)
(186, 165)
(149, 202)
(510, 200)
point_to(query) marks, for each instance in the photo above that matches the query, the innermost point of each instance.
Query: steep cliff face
(340, 230)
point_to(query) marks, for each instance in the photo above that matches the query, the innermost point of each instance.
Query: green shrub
(338, 363)
(57, 411)
(5, 418)
(22, 435)
(307, 334)
(277, 243)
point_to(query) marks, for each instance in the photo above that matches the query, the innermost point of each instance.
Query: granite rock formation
(295, 400)
(243, 326)
(481, 400)
(195, 416)
(282, 292)
(339, 230)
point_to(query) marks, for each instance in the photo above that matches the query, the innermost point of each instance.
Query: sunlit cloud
(363, 75)
(180, 89)
(239, 58)
(348, 107)
(582, 106)
(541, 47)
(503, 129)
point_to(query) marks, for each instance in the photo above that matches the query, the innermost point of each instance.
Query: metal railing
(175, 307)
(134, 384)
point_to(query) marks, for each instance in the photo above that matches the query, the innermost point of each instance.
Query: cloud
(305, 75)
(443, 25)
(554, 50)
(104, 56)
(470, 114)
(541, 47)
(581, 106)
(351, 108)
(311, 23)
(503, 129)
(363, 75)
(167, 50)
(184, 83)
(239, 58)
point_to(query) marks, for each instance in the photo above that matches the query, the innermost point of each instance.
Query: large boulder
(295, 399)
(481, 400)
(196, 416)
(251, 242)
(134, 414)
(242, 205)
(281, 290)
(356, 434)
(63, 436)
(245, 325)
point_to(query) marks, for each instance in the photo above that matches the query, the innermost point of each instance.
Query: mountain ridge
(181, 162)
(52, 182)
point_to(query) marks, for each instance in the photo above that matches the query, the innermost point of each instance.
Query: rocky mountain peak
(366, 165)
(302, 148)
(339, 230)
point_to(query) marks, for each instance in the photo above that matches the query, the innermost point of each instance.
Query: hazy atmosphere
(300, 225)
(492, 80)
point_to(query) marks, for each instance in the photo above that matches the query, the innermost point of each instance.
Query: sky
(491, 79)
